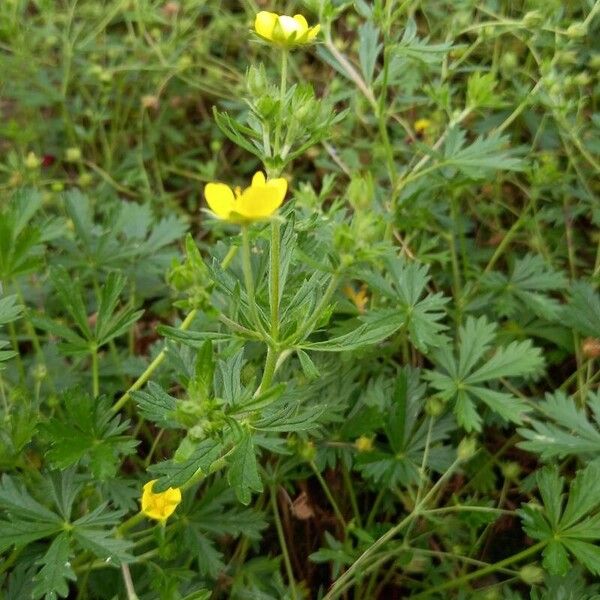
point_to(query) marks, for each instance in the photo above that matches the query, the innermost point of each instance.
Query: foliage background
(438, 433)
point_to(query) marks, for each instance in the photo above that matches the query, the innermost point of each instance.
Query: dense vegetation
(386, 387)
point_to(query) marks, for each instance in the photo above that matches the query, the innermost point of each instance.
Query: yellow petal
(264, 23)
(291, 27)
(260, 202)
(220, 198)
(312, 33)
(302, 22)
(259, 178)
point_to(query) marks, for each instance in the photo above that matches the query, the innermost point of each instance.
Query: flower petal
(302, 22)
(260, 202)
(264, 23)
(291, 27)
(259, 178)
(220, 198)
(312, 33)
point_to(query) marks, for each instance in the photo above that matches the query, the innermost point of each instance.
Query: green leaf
(455, 378)
(88, 431)
(103, 544)
(481, 158)
(15, 499)
(583, 311)
(9, 309)
(156, 405)
(377, 326)
(175, 473)
(22, 533)
(307, 364)
(566, 429)
(56, 571)
(243, 471)
(368, 50)
(69, 293)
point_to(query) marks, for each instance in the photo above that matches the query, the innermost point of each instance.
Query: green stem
(453, 583)
(325, 487)
(274, 278)
(282, 543)
(282, 91)
(359, 564)
(131, 595)
(95, 373)
(145, 376)
(269, 371)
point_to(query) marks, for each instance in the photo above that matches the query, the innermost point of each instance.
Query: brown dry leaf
(301, 507)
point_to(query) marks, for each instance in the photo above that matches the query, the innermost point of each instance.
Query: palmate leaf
(458, 379)
(89, 432)
(569, 529)
(52, 579)
(407, 288)
(526, 288)
(566, 429)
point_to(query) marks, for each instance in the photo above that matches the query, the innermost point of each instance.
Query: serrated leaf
(103, 544)
(243, 470)
(52, 579)
(583, 311)
(174, 473)
(156, 405)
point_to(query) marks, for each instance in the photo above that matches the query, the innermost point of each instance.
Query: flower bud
(32, 161)
(307, 451)
(364, 444)
(531, 574)
(435, 406)
(511, 470)
(73, 155)
(577, 30)
(467, 448)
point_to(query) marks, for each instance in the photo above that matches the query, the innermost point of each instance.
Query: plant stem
(249, 280)
(325, 487)
(282, 91)
(282, 543)
(269, 371)
(359, 563)
(143, 378)
(95, 373)
(131, 595)
(274, 278)
(453, 583)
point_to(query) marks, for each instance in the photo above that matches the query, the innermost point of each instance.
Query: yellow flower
(259, 201)
(422, 125)
(363, 444)
(284, 31)
(159, 505)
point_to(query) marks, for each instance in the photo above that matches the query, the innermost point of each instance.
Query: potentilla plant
(338, 394)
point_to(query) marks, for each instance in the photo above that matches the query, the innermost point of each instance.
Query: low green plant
(354, 392)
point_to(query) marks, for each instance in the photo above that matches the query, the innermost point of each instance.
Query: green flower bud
(32, 161)
(435, 406)
(531, 574)
(467, 448)
(73, 155)
(577, 30)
